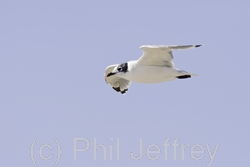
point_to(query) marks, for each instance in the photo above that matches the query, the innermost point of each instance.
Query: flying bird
(154, 66)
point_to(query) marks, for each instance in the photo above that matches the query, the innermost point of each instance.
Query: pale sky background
(52, 60)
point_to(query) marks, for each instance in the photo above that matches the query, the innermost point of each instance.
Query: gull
(154, 66)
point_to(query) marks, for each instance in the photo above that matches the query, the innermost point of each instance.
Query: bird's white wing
(160, 55)
(118, 84)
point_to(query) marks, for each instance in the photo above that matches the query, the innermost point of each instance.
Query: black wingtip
(124, 91)
(197, 46)
(184, 76)
(119, 90)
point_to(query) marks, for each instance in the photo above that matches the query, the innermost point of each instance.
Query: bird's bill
(111, 73)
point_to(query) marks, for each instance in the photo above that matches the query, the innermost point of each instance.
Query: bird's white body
(154, 66)
(149, 74)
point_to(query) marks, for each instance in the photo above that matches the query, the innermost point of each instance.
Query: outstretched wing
(160, 55)
(117, 83)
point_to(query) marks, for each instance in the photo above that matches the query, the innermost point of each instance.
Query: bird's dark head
(120, 69)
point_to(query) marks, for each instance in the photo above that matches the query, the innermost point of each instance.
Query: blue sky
(52, 60)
